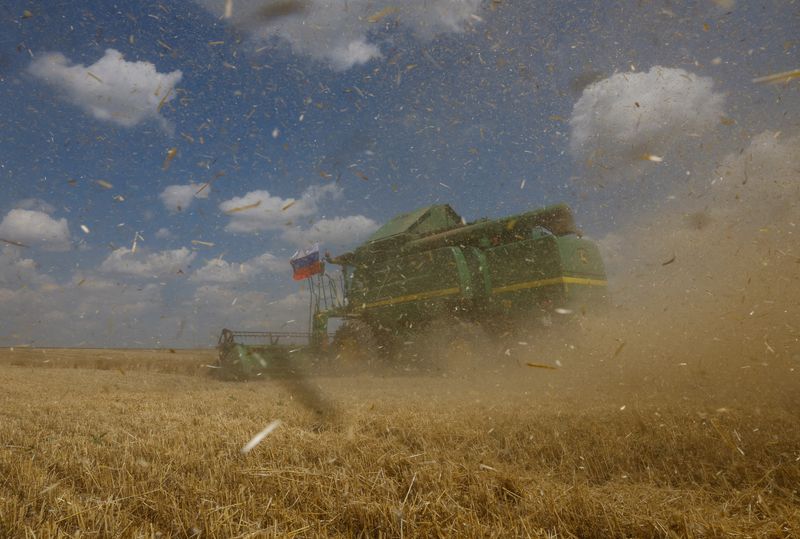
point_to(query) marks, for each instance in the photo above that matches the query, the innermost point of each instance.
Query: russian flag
(306, 263)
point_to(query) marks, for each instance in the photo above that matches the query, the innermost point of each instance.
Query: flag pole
(310, 303)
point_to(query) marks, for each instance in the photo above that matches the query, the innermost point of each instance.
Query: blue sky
(352, 111)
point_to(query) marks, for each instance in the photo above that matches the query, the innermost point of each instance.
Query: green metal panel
(464, 277)
(580, 257)
(426, 263)
(479, 268)
(422, 221)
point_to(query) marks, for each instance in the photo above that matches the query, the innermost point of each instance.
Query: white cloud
(217, 270)
(96, 312)
(620, 120)
(164, 234)
(337, 232)
(221, 271)
(35, 228)
(270, 262)
(177, 198)
(251, 310)
(337, 31)
(123, 261)
(343, 57)
(258, 210)
(16, 271)
(112, 89)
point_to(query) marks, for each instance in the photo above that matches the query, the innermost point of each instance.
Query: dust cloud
(704, 303)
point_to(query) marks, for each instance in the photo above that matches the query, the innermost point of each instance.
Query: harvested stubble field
(111, 444)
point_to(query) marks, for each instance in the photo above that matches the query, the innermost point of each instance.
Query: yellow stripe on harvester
(548, 282)
(499, 290)
(413, 297)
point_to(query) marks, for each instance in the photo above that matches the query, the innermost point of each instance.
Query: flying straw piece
(777, 78)
(243, 208)
(539, 366)
(376, 17)
(136, 237)
(260, 436)
(12, 242)
(228, 9)
(201, 242)
(171, 153)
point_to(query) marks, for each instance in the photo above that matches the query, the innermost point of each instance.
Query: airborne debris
(200, 242)
(136, 237)
(244, 208)
(777, 78)
(260, 436)
(287, 205)
(12, 242)
(171, 153)
(228, 9)
(540, 366)
(95, 77)
(653, 158)
(385, 12)
(164, 100)
(668, 262)
(104, 184)
(85, 229)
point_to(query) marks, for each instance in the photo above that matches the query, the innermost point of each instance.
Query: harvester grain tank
(428, 264)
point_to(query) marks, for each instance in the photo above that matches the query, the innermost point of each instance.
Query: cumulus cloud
(177, 198)
(339, 231)
(90, 311)
(164, 234)
(112, 89)
(16, 271)
(35, 228)
(258, 210)
(221, 271)
(124, 261)
(621, 120)
(337, 32)
(253, 310)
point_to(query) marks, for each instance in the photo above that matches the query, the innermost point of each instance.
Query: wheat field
(126, 443)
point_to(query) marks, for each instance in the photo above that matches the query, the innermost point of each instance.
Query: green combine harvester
(429, 266)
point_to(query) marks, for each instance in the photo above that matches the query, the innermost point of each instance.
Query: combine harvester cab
(429, 264)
